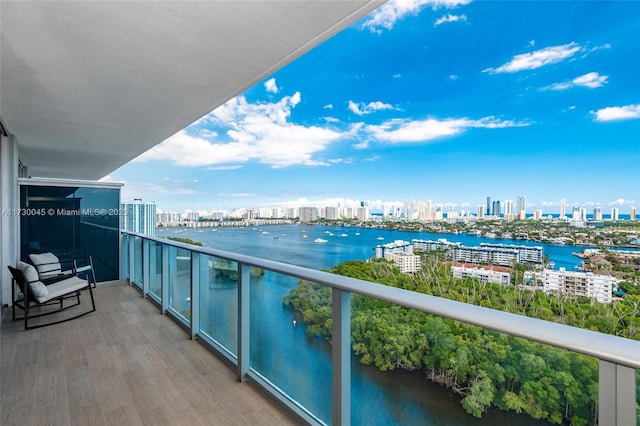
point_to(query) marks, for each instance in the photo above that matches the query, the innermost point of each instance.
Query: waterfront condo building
(408, 263)
(484, 275)
(615, 213)
(307, 214)
(597, 213)
(581, 284)
(521, 204)
(138, 216)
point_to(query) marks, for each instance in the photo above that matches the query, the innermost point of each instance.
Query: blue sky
(449, 100)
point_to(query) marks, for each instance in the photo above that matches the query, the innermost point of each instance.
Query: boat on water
(344, 235)
(265, 232)
(357, 233)
(381, 238)
(320, 240)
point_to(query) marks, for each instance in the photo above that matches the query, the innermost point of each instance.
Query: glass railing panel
(219, 301)
(283, 349)
(155, 269)
(180, 282)
(415, 368)
(138, 269)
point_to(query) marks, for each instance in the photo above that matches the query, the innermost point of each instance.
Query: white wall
(9, 217)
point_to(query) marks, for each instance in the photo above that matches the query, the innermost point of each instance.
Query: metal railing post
(195, 294)
(132, 260)
(341, 357)
(164, 301)
(145, 267)
(616, 394)
(244, 318)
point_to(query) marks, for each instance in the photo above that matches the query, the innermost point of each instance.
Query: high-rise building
(614, 213)
(290, 213)
(307, 214)
(521, 205)
(480, 211)
(138, 216)
(597, 213)
(575, 214)
(495, 209)
(488, 212)
(562, 210)
(331, 213)
(632, 213)
(363, 213)
(508, 207)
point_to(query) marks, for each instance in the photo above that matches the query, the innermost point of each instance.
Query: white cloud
(621, 202)
(260, 131)
(386, 15)
(271, 86)
(207, 133)
(331, 119)
(453, 77)
(396, 76)
(328, 106)
(531, 43)
(591, 80)
(538, 58)
(449, 18)
(361, 108)
(628, 112)
(225, 167)
(235, 194)
(407, 131)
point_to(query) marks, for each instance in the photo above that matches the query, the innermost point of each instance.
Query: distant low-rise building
(408, 263)
(485, 275)
(581, 284)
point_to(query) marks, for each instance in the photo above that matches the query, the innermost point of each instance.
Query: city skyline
(450, 101)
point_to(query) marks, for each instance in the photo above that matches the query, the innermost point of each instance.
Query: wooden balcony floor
(124, 364)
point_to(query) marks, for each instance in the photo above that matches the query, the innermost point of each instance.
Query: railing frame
(618, 357)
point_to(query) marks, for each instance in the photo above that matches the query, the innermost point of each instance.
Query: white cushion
(47, 264)
(28, 272)
(63, 287)
(39, 290)
(30, 275)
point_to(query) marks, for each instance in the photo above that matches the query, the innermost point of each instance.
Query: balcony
(128, 364)
(123, 364)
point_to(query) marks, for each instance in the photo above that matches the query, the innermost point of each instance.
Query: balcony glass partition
(244, 310)
(155, 270)
(180, 283)
(219, 302)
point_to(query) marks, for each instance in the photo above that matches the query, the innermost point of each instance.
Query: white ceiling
(86, 86)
